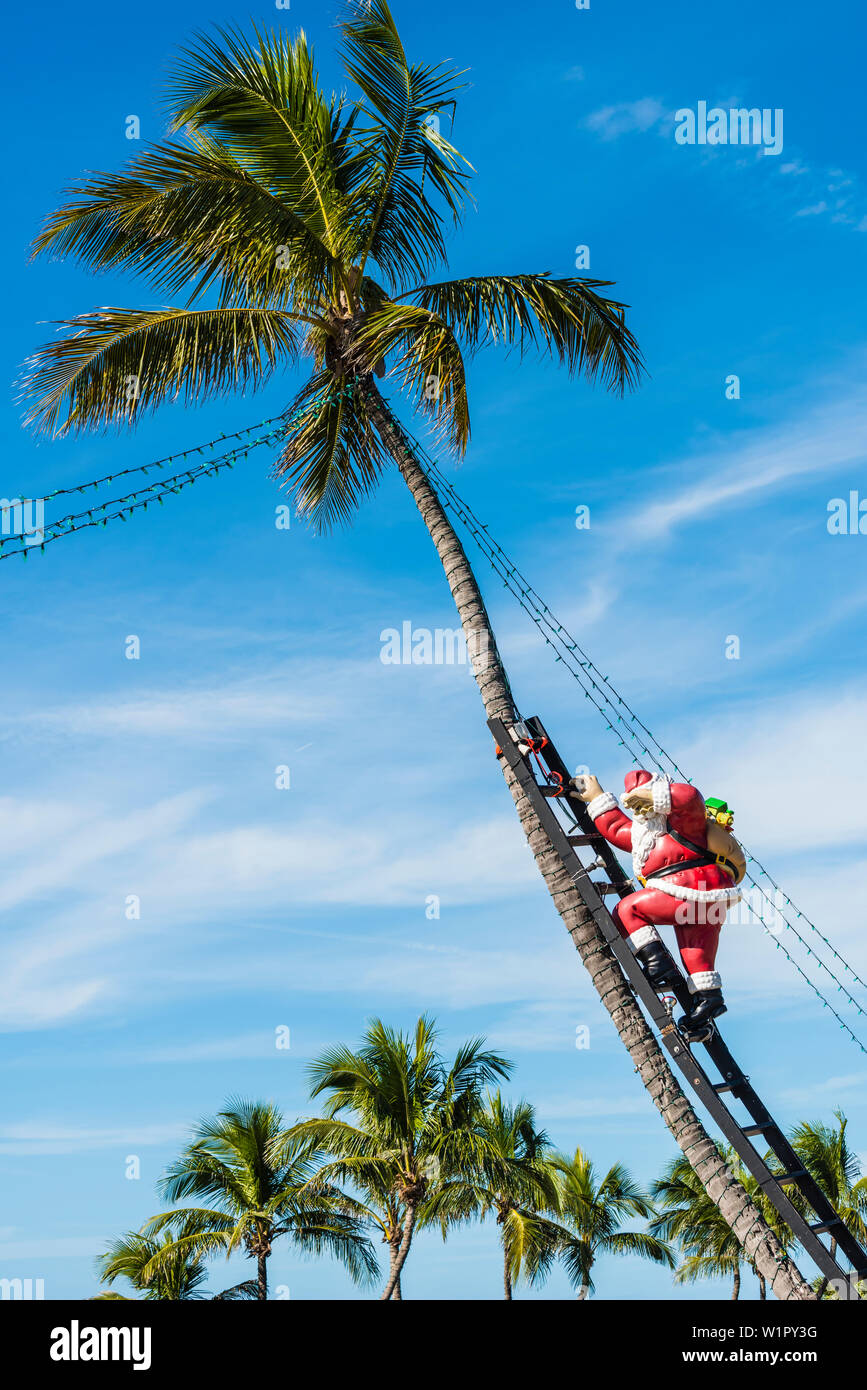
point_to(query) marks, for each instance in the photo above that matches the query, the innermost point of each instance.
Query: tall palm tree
(707, 1242)
(255, 1198)
(593, 1210)
(291, 223)
(509, 1174)
(413, 1120)
(179, 1277)
(825, 1152)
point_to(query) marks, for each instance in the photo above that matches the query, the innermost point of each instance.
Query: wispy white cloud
(626, 117)
(46, 1137)
(52, 1248)
(845, 1089)
(801, 766)
(772, 458)
(201, 711)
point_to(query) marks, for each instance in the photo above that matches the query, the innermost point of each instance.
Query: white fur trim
(643, 937)
(729, 896)
(646, 830)
(661, 786)
(704, 979)
(605, 801)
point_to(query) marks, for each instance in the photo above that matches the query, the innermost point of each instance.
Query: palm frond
(188, 218)
(115, 363)
(333, 457)
(261, 99)
(404, 154)
(422, 351)
(640, 1243)
(565, 318)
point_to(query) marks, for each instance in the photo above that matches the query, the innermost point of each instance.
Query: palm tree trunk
(756, 1237)
(763, 1287)
(262, 1292)
(399, 1257)
(736, 1287)
(397, 1293)
(507, 1277)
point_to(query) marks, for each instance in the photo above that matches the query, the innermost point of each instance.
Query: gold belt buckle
(642, 880)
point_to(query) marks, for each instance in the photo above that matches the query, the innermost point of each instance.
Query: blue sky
(305, 907)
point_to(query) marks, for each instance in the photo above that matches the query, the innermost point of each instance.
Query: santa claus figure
(684, 882)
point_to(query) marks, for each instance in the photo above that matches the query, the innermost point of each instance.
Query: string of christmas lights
(124, 507)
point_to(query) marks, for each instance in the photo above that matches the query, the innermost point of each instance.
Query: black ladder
(521, 742)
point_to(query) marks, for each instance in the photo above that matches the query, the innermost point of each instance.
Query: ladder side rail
(780, 1145)
(696, 1078)
(578, 808)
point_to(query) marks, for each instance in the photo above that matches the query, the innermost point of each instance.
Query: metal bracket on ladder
(518, 744)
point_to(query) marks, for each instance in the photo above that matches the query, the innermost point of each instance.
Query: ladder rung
(585, 839)
(722, 1086)
(759, 1129)
(821, 1226)
(603, 889)
(783, 1178)
(551, 791)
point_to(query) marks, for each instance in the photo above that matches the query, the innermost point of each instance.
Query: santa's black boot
(697, 1025)
(657, 964)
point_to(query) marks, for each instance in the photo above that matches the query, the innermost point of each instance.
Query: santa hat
(636, 779)
(661, 788)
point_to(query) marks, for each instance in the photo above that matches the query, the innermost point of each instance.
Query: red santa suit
(693, 900)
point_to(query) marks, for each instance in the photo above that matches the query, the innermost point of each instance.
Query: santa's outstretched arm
(605, 812)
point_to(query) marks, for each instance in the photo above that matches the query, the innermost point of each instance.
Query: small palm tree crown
(256, 1197)
(594, 1209)
(398, 1120)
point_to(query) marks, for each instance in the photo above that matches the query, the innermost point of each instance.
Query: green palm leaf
(566, 318)
(186, 218)
(263, 102)
(404, 154)
(333, 458)
(114, 363)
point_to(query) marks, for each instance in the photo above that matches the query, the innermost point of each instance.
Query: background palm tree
(256, 1198)
(694, 1222)
(179, 1276)
(279, 205)
(413, 1116)
(592, 1213)
(825, 1153)
(507, 1173)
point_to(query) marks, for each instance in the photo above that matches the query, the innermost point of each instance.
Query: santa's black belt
(703, 860)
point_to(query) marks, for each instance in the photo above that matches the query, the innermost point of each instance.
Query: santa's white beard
(646, 830)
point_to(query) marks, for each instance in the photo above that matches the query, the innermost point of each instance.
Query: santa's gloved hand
(587, 787)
